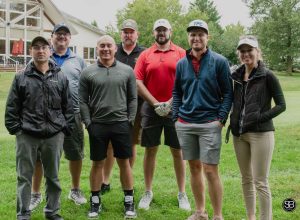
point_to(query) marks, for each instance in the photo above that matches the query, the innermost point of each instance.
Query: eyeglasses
(246, 51)
(62, 34)
(37, 47)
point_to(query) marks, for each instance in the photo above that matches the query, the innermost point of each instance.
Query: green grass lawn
(284, 177)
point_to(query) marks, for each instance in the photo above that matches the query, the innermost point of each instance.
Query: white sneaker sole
(77, 203)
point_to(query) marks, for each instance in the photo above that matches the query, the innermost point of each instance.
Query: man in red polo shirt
(155, 74)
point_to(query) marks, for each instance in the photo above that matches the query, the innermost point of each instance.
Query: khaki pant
(254, 155)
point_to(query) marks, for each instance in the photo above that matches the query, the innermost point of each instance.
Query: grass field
(284, 177)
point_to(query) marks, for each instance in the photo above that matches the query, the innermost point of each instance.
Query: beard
(128, 42)
(162, 40)
(197, 49)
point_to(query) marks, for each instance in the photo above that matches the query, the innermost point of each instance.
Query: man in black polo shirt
(127, 53)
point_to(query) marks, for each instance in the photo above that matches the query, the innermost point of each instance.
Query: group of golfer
(128, 97)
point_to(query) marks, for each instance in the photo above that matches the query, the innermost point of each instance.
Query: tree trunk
(289, 65)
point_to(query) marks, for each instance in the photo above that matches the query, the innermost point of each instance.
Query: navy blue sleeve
(225, 84)
(177, 92)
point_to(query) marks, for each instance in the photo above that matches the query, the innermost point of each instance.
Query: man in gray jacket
(108, 103)
(39, 111)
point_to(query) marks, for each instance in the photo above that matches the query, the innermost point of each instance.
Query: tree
(94, 23)
(207, 7)
(229, 40)
(146, 12)
(277, 25)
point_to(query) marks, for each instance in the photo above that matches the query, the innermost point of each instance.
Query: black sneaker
(96, 206)
(105, 188)
(54, 217)
(129, 209)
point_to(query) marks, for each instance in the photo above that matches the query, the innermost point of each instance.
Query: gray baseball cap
(130, 24)
(249, 40)
(197, 24)
(162, 23)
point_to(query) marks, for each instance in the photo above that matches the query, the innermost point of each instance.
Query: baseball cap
(39, 39)
(248, 40)
(130, 24)
(60, 26)
(162, 23)
(197, 24)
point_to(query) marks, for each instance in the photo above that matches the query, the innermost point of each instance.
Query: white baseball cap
(248, 40)
(162, 23)
(197, 24)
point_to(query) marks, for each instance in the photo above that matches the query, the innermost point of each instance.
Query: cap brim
(129, 28)
(189, 29)
(62, 28)
(39, 39)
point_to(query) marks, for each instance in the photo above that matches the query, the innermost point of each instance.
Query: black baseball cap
(39, 39)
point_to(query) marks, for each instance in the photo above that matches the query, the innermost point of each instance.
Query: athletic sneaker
(183, 201)
(198, 216)
(95, 209)
(77, 196)
(54, 217)
(146, 200)
(35, 200)
(105, 188)
(129, 209)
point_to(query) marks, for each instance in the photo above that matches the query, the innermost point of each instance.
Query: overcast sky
(104, 11)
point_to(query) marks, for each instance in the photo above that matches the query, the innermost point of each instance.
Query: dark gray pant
(27, 148)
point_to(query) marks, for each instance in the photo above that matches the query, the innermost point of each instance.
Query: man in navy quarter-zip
(202, 98)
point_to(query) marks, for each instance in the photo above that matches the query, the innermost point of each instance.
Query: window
(92, 53)
(2, 46)
(2, 4)
(17, 7)
(89, 53)
(33, 22)
(73, 48)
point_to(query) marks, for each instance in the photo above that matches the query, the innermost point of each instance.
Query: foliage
(228, 41)
(278, 28)
(146, 12)
(207, 7)
(94, 23)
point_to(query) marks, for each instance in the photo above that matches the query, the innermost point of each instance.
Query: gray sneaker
(77, 196)
(35, 200)
(183, 201)
(146, 200)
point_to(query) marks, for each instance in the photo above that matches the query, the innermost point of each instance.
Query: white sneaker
(35, 200)
(95, 207)
(183, 201)
(146, 200)
(129, 209)
(77, 196)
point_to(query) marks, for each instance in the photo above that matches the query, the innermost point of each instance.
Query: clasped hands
(162, 108)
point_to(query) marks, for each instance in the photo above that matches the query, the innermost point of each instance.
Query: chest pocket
(55, 93)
